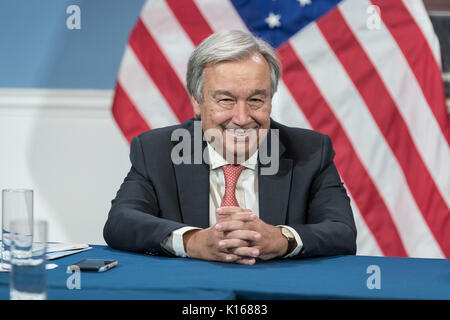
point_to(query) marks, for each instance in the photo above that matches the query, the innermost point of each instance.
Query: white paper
(59, 246)
(60, 254)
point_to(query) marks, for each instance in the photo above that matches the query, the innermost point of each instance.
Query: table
(140, 276)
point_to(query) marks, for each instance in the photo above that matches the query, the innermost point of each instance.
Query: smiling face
(236, 105)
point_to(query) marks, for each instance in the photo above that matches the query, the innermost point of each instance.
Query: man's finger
(230, 210)
(250, 252)
(226, 213)
(241, 216)
(237, 259)
(246, 261)
(230, 257)
(225, 245)
(229, 225)
(246, 235)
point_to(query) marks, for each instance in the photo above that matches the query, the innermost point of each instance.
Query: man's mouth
(240, 135)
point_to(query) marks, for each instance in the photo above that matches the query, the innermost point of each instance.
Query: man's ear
(196, 105)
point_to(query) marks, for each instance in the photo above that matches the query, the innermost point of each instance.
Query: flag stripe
(385, 112)
(191, 19)
(160, 70)
(409, 36)
(366, 243)
(319, 114)
(418, 11)
(402, 85)
(365, 136)
(221, 15)
(143, 93)
(127, 117)
(168, 34)
(285, 110)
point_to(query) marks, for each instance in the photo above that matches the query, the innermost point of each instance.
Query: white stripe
(419, 13)
(286, 111)
(220, 15)
(403, 87)
(367, 140)
(143, 93)
(169, 35)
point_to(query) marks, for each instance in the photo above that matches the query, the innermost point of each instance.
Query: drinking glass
(28, 259)
(16, 204)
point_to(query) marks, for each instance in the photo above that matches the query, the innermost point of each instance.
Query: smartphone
(96, 265)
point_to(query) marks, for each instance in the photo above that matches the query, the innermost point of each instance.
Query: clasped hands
(239, 236)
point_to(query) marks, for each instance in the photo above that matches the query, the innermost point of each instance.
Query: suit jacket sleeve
(330, 227)
(133, 223)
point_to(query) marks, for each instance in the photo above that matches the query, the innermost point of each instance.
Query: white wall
(65, 145)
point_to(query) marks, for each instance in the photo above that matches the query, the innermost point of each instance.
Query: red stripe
(126, 115)
(191, 19)
(321, 117)
(420, 57)
(384, 110)
(160, 70)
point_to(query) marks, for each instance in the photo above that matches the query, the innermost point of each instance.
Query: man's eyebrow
(259, 91)
(222, 92)
(229, 94)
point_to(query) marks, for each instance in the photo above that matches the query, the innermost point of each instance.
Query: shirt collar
(217, 161)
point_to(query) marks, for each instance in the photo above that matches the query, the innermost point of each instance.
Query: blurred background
(57, 133)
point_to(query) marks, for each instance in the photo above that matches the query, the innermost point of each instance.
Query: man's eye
(226, 100)
(256, 102)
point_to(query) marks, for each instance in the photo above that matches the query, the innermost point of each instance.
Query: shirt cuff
(297, 239)
(174, 243)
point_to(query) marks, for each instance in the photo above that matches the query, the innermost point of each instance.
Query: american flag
(365, 72)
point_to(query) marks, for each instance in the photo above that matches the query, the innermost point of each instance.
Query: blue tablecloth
(140, 276)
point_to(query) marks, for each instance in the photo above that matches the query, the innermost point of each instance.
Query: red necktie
(231, 174)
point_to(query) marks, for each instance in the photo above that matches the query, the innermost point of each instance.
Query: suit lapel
(274, 189)
(193, 185)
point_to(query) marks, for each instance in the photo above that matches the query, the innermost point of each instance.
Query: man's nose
(241, 114)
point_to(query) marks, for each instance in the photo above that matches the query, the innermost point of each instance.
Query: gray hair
(231, 45)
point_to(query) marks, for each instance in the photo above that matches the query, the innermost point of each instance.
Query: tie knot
(232, 172)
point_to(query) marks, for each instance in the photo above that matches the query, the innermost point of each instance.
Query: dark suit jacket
(158, 197)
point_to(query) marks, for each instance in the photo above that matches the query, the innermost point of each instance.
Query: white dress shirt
(246, 195)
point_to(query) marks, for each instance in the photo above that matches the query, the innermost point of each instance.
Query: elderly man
(223, 207)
